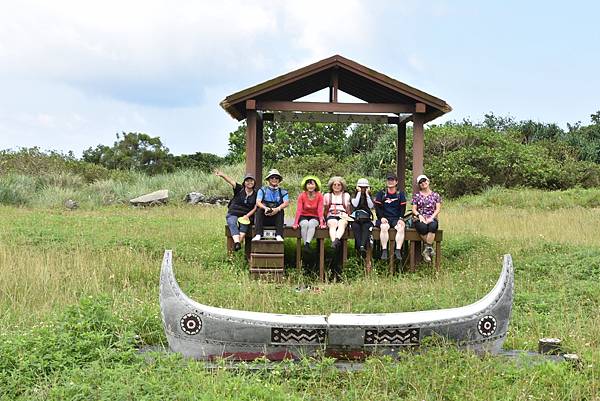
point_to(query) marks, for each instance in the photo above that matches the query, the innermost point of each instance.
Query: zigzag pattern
(392, 337)
(298, 336)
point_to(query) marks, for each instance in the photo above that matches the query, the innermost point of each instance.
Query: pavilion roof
(353, 78)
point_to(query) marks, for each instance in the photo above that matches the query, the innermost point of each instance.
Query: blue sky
(74, 73)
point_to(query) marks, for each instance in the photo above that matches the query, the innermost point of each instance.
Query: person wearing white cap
(362, 224)
(271, 200)
(426, 206)
(241, 207)
(390, 205)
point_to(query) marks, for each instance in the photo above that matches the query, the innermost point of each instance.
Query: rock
(71, 204)
(155, 198)
(217, 200)
(195, 197)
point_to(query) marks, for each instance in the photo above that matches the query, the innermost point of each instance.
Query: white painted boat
(204, 332)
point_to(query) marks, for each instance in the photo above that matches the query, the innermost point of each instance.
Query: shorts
(391, 221)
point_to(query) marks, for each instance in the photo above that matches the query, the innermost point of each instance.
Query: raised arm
(224, 176)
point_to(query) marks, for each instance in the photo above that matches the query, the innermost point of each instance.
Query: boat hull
(204, 332)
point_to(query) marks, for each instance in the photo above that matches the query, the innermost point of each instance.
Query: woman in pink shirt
(309, 212)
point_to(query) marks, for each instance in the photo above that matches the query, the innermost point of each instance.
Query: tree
(285, 139)
(132, 151)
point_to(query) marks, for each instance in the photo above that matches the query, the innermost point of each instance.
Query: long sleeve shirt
(356, 201)
(310, 207)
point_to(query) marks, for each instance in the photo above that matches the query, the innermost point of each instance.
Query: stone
(155, 198)
(71, 204)
(195, 197)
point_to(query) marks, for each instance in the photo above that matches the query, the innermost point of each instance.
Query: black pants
(423, 228)
(361, 231)
(261, 220)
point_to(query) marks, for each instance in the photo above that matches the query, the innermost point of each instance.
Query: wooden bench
(321, 234)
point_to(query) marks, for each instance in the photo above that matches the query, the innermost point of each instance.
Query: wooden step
(266, 260)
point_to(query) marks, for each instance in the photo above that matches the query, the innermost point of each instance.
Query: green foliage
(34, 162)
(206, 162)
(83, 334)
(134, 151)
(282, 140)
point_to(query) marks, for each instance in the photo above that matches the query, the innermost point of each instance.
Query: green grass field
(79, 293)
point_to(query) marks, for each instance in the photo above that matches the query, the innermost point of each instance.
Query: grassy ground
(79, 291)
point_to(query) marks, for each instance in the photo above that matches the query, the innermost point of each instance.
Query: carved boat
(204, 332)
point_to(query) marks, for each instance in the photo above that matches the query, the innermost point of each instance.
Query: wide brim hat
(311, 177)
(362, 182)
(336, 179)
(274, 173)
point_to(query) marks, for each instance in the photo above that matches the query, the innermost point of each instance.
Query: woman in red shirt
(309, 211)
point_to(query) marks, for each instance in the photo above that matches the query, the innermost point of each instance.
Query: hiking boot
(384, 254)
(256, 237)
(336, 243)
(237, 246)
(363, 252)
(398, 254)
(426, 256)
(307, 246)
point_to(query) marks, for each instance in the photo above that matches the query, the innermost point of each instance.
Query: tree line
(464, 157)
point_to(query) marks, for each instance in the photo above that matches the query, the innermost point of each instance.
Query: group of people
(334, 210)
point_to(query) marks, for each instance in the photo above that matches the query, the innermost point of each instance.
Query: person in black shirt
(390, 205)
(241, 207)
(362, 224)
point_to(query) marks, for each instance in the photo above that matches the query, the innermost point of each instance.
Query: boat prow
(205, 332)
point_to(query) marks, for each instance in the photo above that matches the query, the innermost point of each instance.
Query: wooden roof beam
(335, 107)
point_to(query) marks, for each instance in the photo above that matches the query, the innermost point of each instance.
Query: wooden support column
(418, 148)
(253, 142)
(401, 156)
(259, 149)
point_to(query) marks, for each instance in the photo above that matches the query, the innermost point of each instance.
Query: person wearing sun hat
(337, 205)
(426, 206)
(241, 208)
(362, 224)
(309, 211)
(271, 199)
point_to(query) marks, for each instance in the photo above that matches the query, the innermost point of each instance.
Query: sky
(73, 74)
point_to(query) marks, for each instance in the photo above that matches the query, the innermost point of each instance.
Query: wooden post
(333, 87)
(321, 242)
(401, 156)
(391, 255)
(251, 140)
(259, 150)
(299, 255)
(418, 149)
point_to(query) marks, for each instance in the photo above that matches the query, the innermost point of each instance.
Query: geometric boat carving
(204, 332)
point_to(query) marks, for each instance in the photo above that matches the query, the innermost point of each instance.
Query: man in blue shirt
(390, 205)
(270, 201)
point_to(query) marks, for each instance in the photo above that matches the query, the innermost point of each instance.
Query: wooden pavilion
(386, 101)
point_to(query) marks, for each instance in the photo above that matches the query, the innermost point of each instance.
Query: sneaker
(279, 238)
(237, 246)
(384, 254)
(336, 243)
(307, 246)
(398, 254)
(256, 237)
(426, 256)
(431, 251)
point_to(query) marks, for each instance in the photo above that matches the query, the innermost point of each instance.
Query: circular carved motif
(487, 326)
(191, 324)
